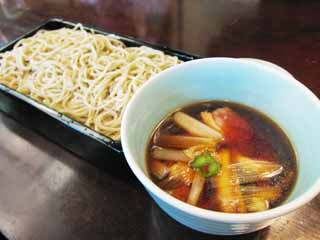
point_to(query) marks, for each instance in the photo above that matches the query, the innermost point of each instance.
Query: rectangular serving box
(59, 128)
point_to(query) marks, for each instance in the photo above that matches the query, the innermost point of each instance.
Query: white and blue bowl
(257, 84)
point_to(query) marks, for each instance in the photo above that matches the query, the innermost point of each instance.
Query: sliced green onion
(206, 165)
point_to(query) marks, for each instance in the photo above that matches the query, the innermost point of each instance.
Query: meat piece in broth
(236, 130)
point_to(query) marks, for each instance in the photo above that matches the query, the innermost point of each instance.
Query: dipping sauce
(222, 156)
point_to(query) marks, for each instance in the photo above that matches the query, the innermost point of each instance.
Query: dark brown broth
(270, 141)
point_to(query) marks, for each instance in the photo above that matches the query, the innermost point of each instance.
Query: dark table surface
(48, 193)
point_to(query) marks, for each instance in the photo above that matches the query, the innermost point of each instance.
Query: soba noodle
(87, 76)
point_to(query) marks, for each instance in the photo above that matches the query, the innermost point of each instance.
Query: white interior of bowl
(286, 101)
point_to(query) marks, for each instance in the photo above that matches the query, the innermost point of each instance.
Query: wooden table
(48, 193)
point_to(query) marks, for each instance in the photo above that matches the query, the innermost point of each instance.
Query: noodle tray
(72, 135)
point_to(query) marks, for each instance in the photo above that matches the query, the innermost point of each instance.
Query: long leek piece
(169, 154)
(195, 127)
(196, 188)
(182, 142)
(208, 119)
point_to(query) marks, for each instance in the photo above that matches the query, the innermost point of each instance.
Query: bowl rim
(200, 212)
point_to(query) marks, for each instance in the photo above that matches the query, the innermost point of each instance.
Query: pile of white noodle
(87, 76)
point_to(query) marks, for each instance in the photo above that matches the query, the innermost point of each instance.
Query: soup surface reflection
(222, 156)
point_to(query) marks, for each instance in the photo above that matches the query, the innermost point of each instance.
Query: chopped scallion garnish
(206, 165)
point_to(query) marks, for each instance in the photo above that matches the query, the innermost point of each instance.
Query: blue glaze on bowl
(263, 87)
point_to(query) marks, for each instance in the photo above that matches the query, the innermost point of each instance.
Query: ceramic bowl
(257, 84)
